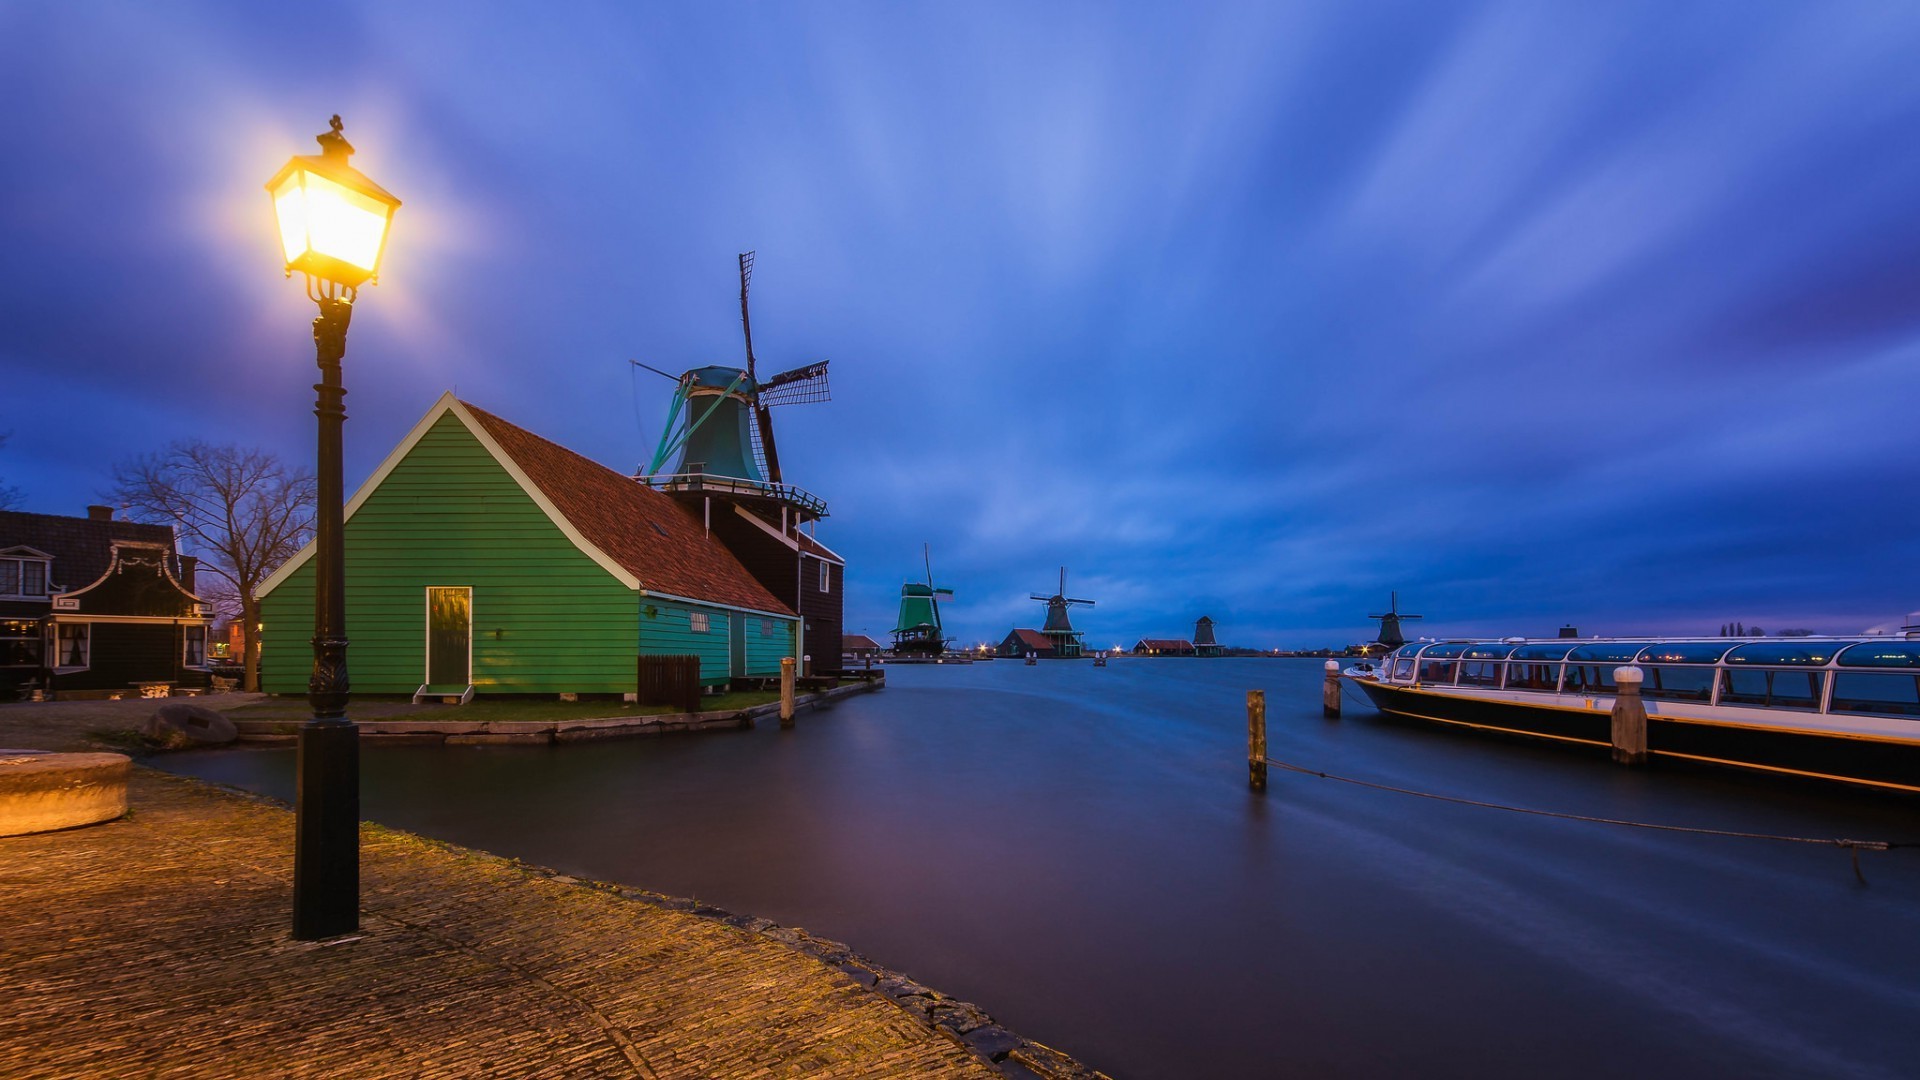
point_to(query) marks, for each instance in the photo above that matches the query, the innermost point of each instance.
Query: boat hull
(1876, 762)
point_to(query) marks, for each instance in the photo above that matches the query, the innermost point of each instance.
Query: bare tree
(9, 496)
(241, 512)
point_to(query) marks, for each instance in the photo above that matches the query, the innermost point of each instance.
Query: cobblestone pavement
(157, 945)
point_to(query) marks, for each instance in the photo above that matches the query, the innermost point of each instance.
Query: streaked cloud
(1535, 314)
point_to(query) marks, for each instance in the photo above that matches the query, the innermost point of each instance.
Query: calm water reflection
(1075, 849)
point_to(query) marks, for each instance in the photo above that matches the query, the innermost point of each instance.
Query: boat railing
(1870, 688)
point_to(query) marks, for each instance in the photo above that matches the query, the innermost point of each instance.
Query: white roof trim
(449, 404)
(830, 555)
(766, 528)
(824, 554)
(22, 551)
(717, 604)
(113, 564)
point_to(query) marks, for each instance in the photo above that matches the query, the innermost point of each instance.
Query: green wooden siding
(764, 651)
(546, 618)
(666, 629)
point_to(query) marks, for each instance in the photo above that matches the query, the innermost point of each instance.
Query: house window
(74, 652)
(20, 644)
(195, 653)
(766, 627)
(823, 577)
(23, 577)
(698, 621)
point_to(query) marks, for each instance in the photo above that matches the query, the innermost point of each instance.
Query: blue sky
(1537, 313)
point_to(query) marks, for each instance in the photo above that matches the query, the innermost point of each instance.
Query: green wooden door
(737, 621)
(449, 635)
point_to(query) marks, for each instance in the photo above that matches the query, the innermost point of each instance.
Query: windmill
(918, 629)
(1390, 634)
(1059, 629)
(721, 420)
(1203, 641)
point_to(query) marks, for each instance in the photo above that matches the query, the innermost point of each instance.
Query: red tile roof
(1034, 639)
(653, 537)
(850, 642)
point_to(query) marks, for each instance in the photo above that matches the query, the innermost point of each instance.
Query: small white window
(698, 621)
(824, 578)
(766, 627)
(73, 645)
(23, 576)
(194, 654)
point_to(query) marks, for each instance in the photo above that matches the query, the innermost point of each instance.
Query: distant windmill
(1390, 634)
(1066, 640)
(918, 629)
(721, 419)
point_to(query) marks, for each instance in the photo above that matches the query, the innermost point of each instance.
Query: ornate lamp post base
(326, 862)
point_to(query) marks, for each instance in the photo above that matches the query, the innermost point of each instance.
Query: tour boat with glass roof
(1835, 708)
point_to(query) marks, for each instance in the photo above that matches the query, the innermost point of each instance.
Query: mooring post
(786, 691)
(1257, 740)
(1330, 693)
(1629, 717)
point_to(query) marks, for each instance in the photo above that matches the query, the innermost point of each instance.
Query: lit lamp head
(333, 220)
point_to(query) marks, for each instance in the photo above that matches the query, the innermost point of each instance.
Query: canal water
(1075, 849)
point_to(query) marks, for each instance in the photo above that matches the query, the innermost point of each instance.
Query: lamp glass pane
(290, 207)
(344, 224)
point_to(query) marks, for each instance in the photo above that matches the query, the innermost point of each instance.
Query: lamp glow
(333, 219)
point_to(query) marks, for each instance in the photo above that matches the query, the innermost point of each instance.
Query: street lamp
(333, 227)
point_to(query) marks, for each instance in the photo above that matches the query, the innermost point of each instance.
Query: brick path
(158, 946)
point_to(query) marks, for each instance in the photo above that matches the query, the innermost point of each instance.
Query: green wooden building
(483, 558)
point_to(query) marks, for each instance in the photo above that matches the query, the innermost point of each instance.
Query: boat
(1844, 709)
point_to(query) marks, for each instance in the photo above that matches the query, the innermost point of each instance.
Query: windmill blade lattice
(798, 386)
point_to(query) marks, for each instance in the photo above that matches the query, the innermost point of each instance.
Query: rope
(1854, 846)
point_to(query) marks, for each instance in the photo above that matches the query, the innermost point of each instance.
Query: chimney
(99, 513)
(188, 564)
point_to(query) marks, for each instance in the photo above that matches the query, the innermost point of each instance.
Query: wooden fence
(670, 680)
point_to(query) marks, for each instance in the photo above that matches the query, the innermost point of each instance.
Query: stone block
(532, 738)
(179, 726)
(44, 792)
(993, 1042)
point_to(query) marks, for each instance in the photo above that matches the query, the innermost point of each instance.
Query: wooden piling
(786, 691)
(1257, 740)
(1629, 717)
(1330, 692)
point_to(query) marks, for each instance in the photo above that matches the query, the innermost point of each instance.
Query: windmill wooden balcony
(805, 503)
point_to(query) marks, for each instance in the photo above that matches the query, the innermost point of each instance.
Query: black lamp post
(333, 227)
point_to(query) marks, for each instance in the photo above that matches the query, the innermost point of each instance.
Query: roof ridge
(504, 422)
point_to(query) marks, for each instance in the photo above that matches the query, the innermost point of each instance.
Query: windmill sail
(1390, 633)
(1059, 627)
(721, 425)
